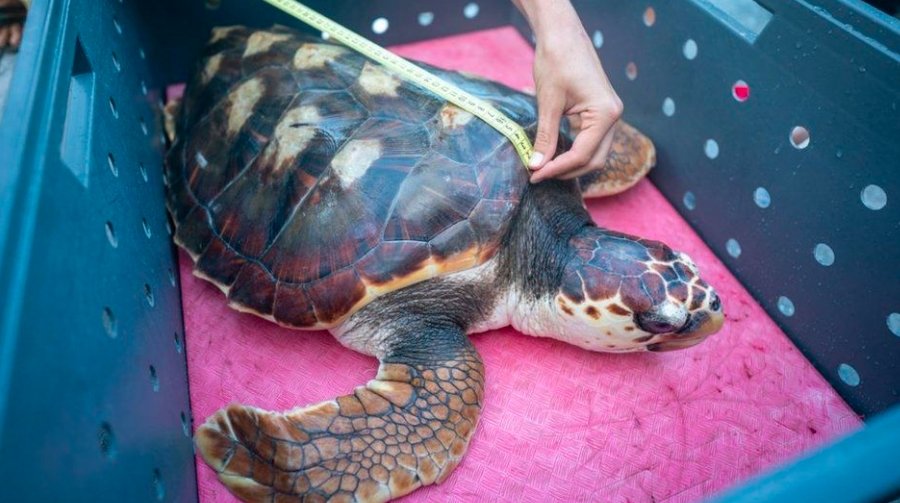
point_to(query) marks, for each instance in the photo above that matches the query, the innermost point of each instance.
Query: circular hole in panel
(107, 440)
(115, 60)
(799, 137)
(213, 4)
(380, 25)
(148, 295)
(733, 248)
(110, 325)
(143, 171)
(179, 346)
(171, 277)
(668, 107)
(144, 89)
(426, 18)
(711, 148)
(873, 197)
(823, 254)
(117, 25)
(597, 39)
(113, 108)
(154, 378)
(848, 374)
(144, 126)
(786, 306)
(471, 10)
(761, 197)
(631, 70)
(111, 160)
(689, 200)
(185, 425)
(740, 91)
(111, 235)
(893, 323)
(649, 16)
(159, 486)
(147, 231)
(689, 49)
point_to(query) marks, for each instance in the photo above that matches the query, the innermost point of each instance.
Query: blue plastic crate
(93, 389)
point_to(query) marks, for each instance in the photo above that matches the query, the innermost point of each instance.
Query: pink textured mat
(560, 423)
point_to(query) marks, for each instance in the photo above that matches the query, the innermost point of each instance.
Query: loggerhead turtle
(319, 191)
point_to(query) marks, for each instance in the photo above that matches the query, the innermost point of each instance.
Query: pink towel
(560, 423)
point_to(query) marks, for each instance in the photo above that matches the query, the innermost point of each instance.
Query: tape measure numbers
(414, 74)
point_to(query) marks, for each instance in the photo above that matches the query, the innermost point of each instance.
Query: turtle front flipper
(406, 429)
(631, 156)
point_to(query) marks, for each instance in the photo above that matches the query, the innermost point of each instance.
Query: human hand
(569, 81)
(11, 13)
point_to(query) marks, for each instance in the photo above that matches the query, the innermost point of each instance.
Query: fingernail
(536, 159)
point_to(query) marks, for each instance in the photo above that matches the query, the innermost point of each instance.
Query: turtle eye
(665, 318)
(714, 303)
(654, 326)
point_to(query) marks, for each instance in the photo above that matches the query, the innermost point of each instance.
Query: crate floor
(560, 423)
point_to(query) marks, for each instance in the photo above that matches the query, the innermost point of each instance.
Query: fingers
(586, 144)
(588, 150)
(4, 36)
(596, 162)
(550, 108)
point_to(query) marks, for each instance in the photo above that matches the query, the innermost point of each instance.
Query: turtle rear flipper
(631, 156)
(407, 428)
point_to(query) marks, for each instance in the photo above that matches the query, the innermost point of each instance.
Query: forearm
(550, 18)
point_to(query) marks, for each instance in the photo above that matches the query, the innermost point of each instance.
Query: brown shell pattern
(306, 181)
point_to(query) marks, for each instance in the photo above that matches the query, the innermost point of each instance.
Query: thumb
(549, 112)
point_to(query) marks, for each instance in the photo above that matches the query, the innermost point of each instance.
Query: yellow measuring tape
(413, 73)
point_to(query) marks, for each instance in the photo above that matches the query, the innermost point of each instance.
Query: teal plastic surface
(93, 390)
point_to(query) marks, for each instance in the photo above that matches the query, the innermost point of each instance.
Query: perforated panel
(93, 395)
(776, 125)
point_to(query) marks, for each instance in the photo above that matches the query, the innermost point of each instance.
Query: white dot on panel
(824, 254)
(690, 49)
(873, 197)
(689, 200)
(711, 148)
(786, 306)
(733, 248)
(799, 137)
(426, 18)
(668, 107)
(761, 197)
(649, 17)
(631, 70)
(470, 10)
(598, 39)
(893, 323)
(848, 374)
(380, 26)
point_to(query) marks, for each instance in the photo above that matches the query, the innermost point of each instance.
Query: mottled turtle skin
(318, 190)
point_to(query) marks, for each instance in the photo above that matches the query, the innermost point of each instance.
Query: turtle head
(620, 293)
